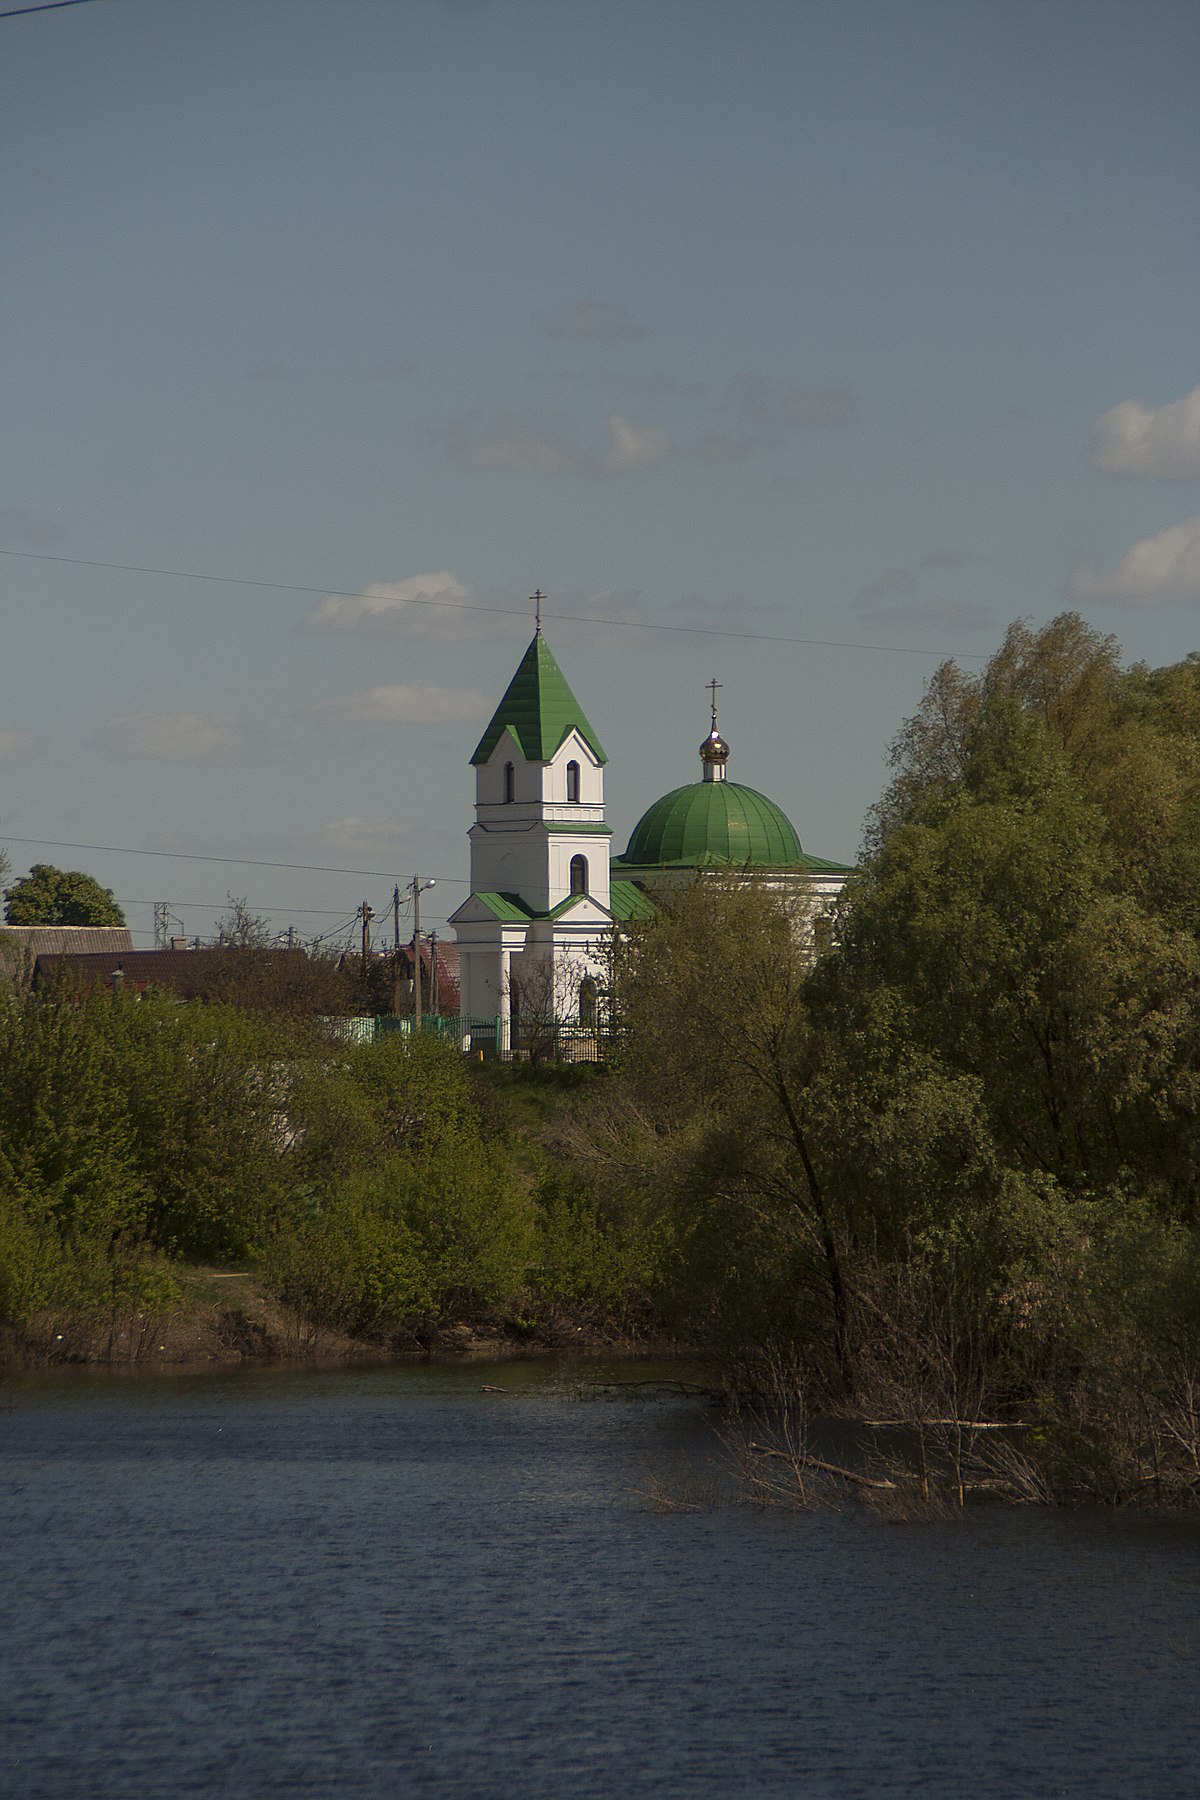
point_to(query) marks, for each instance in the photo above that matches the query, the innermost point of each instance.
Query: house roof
(186, 973)
(54, 940)
(448, 971)
(539, 709)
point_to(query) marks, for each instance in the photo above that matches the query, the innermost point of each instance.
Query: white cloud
(1132, 439)
(403, 703)
(428, 606)
(1163, 567)
(358, 835)
(631, 447)
(182, 737)
(598, 320)
(536, 446)
(18, 746)
(520, 443)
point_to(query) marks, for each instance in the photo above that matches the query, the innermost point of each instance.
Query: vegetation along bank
(941, 1175)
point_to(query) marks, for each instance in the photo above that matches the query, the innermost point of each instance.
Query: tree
(716, 1052)
(240, 929)
(50, 896)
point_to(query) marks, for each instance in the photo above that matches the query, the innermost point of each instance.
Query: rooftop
(539, 709)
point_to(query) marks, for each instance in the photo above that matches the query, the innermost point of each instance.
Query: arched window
(510, 782)
(589, 1003)
(573, 782)
(579, 875)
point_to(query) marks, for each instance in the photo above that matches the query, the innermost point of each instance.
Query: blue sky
(859, 322)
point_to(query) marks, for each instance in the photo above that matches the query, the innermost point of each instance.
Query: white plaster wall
(596, 849)
(591, 774)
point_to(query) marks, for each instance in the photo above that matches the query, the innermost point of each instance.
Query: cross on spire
(713, 685)
(537, 598)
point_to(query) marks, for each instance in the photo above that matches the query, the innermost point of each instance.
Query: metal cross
(537, 599)
(714, 684)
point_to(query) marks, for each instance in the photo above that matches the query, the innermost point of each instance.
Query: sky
(795, 343)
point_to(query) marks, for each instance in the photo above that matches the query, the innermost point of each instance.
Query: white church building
(545, 890)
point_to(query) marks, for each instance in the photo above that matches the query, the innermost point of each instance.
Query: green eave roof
(629, 902)
(628, 872)
(539, 709)
(513, 911)
(507, 907)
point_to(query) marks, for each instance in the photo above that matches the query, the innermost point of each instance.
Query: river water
(388, 1583)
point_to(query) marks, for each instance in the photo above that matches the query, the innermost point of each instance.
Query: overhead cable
(515, 612)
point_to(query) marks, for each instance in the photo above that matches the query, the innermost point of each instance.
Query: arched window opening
(573, 782)
(579, 875)
(510, 783)
(589, 1003)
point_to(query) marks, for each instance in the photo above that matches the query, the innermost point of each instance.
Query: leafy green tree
(719, 1062)
(50, 896)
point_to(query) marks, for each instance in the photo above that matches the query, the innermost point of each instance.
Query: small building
(439, 977)
(22, 945)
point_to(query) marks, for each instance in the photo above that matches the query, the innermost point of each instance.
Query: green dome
(714, 823)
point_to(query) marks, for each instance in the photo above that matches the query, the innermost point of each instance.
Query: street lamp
(418, 888)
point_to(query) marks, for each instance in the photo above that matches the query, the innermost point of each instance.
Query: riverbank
(221, 1318)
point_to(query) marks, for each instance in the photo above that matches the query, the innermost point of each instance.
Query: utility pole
(416, 893)
(397, 1000)
(434, 1000)
(366, 915)
(418, 888)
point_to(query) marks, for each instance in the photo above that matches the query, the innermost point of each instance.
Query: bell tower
(540, 846)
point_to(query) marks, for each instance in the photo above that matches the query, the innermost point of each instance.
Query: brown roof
(55, 940)
(447, 972)
(184, 972)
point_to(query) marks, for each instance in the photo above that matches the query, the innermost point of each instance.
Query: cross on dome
(714, 751)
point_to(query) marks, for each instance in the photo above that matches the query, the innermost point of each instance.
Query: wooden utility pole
(416, 893)
(397, 995)
(366, 915)
(418, 888)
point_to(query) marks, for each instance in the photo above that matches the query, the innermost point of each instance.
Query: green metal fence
(486, 1037)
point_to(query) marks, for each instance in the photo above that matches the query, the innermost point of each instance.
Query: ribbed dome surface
(714, 822)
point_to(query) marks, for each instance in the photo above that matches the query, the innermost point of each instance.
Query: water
(388, 1583)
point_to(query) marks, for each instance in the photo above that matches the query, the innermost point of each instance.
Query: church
(545, 888)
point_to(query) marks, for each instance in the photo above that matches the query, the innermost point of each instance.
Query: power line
(325, 912)
(245, 862)
(15, 12)
(513, 612)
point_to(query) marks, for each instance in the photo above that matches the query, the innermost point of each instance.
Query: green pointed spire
(539, 708)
